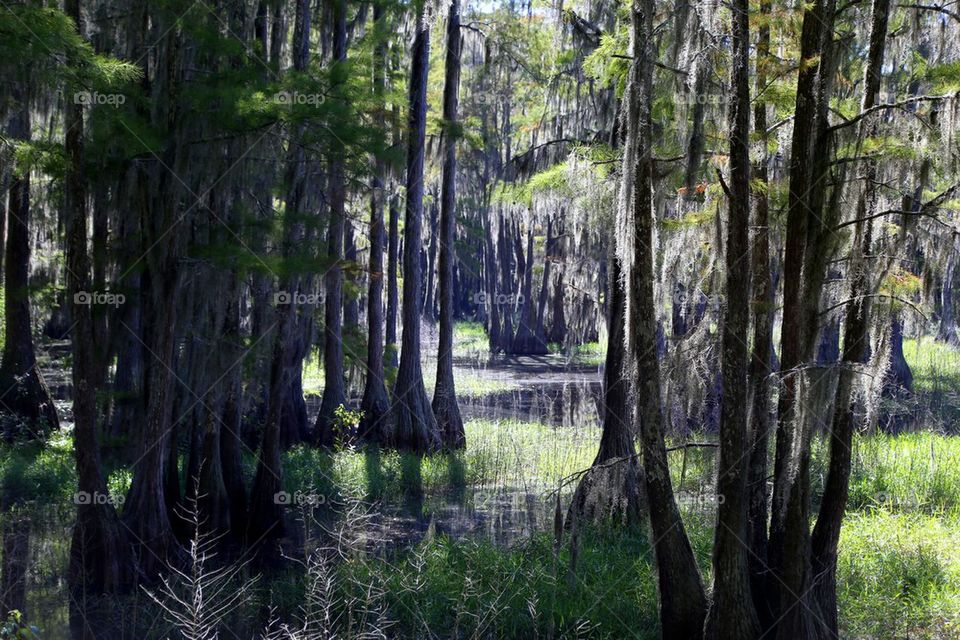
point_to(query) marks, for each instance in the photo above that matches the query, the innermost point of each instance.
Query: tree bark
(100, 559)
(375, 404)
(445, 406)
(804, 272)
(612, 490)
(266, 523)
(763, 353)
(393, 293)
(683, 603)
(529, 339)
(27, 411)
(826, 533)
(334, 393)
(415, 427)
(732, 613)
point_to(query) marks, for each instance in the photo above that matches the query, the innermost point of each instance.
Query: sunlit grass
(588, 354)
(470, 340)
(936, 380)
(521, 456)
(910, 472)
(899, 575)
(935, 365)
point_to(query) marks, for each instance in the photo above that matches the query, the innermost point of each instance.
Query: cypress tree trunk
(804, 271)
(505, 262)
(732, 614)
(529, 339)
(231, 455)
(445, 406)
(376, 404)
(415, 427)
(266, 524)
(28, 410)
(762, 355)
(351, 303)
(334, 394)
(545, 282)
(429, 303)
(100, 559)
(611, 491)
(393, 293)
(947, 322)
(558, 322)
(683, 603)
(393, 243)
(826, 533)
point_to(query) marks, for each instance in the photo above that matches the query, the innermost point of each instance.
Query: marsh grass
(588, 354)
(899, 575)
(899, 567)
(936, 380)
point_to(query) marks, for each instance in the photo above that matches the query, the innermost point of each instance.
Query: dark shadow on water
(373, 472)
(411, 479)
(457, 477)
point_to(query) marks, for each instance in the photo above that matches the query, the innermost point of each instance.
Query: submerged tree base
(414, 425)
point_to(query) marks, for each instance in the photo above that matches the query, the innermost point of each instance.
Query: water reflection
(36, 539)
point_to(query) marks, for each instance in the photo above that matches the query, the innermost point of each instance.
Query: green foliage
(479, 589)
(899, 576)
(16, 628)
(609, 63)
(692, 219)
(309, 470)
(945, 77)
(36, 473)
(908, 472)
(345, 421)
(35, 39)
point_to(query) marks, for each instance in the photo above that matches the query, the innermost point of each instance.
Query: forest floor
(464, 545)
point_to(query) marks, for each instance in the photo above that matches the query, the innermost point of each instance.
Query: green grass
(936, 380)
(899, 568)
(35, 473)
(476, 589)
(908, 472)
(470, 340)
(935, 365)
(899, 575)
(500, 455)
(588, 354)
(313, 378)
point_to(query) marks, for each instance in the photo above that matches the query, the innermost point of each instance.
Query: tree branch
(890, 105)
